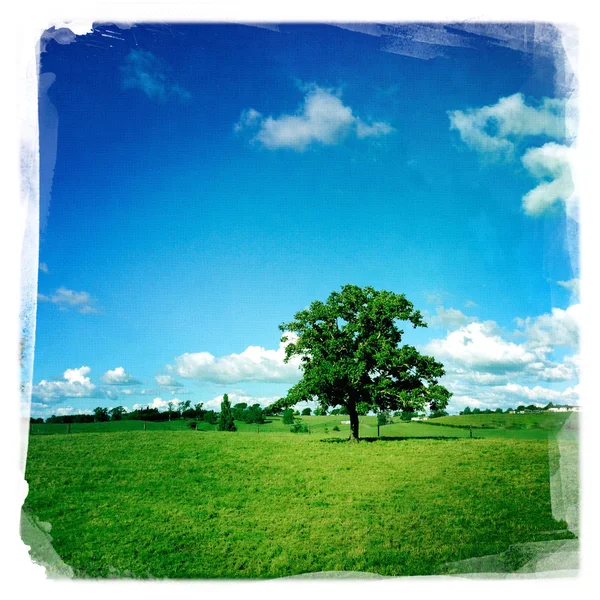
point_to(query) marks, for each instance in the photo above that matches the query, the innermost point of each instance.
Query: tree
(288, 416)
(476, 411)
(363, 408)
(438, 413)
(116, 413)
(349, 350)
(182, 407)
(306, 412)
(498, 410)
(226, 417)
(320, 411)
(383, 418)
(466, 411)
(100, 414)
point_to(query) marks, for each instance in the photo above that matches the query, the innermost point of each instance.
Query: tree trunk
(353, 423)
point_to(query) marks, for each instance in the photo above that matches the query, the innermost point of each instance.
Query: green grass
(527, 426)
(542, 421)
(186, 504)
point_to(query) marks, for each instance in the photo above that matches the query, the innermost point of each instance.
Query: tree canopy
(350, 352)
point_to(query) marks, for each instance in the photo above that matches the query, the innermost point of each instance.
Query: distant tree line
(521, 408)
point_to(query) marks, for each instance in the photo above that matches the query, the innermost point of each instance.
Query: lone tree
(226, 417)
(350, 353)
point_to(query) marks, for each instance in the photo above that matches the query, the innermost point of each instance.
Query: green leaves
(351, 353)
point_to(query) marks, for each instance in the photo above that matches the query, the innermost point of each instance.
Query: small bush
(192, 424)
(326, 429)
(336, 428)
(299, 428)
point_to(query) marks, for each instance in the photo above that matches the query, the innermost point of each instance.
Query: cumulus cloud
(496, 128)
(450, 318)
(322, 118)
(253, 364)
(75, 384)
(167, 381)
(158, 403)
(44, 268)
(572, 285)
(550, 164)
(557, 328)
(67, 299)
(142, 70)
(479, 346)
(236, 398)
(118, 376)
(500, 129)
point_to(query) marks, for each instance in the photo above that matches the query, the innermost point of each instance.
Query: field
(203, 504)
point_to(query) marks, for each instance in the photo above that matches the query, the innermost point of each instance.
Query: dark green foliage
(306, 412)
(299, 428)
(226, 416)
(383, 418)
(288, 416)
(210, 416)
(438, 413)
(466, 411)
(476, 411)
(363, 408)
(498, 411)
(320, 411)
(336, 428)
(101, 414)
(116, 414)
(350, 353)
(407, 415)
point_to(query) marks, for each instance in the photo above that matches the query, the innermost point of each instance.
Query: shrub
(288, 416)
(299, 428)
(336, 428)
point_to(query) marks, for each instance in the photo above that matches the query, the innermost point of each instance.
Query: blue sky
(202, 183)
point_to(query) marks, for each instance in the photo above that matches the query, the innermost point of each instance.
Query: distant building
(558, 409)
(511, 412)
(574, 409)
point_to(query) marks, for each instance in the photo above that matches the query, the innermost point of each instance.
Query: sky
(199, 184)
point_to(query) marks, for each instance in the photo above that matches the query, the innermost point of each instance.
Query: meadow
(171, 502)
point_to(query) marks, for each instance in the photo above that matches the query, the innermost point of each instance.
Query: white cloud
(322, 118)
(572, 285)
(253, 364)
(66, 299)
(558, 328)
(118, 376)
(495, 129)
(538, 393)
(450, 318)
(550, 164)
(142, 70)
(479, 346)
(167, 381)
(236, 398)
(75, 384)
(44, 268)
(158, 403)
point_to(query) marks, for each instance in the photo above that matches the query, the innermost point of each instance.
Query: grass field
(187, 504)
(527, 426)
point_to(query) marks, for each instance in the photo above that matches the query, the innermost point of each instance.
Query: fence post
(470, 431)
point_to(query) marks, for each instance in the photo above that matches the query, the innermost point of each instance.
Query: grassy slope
(184, 504)
(528, 426)
(545, 421)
